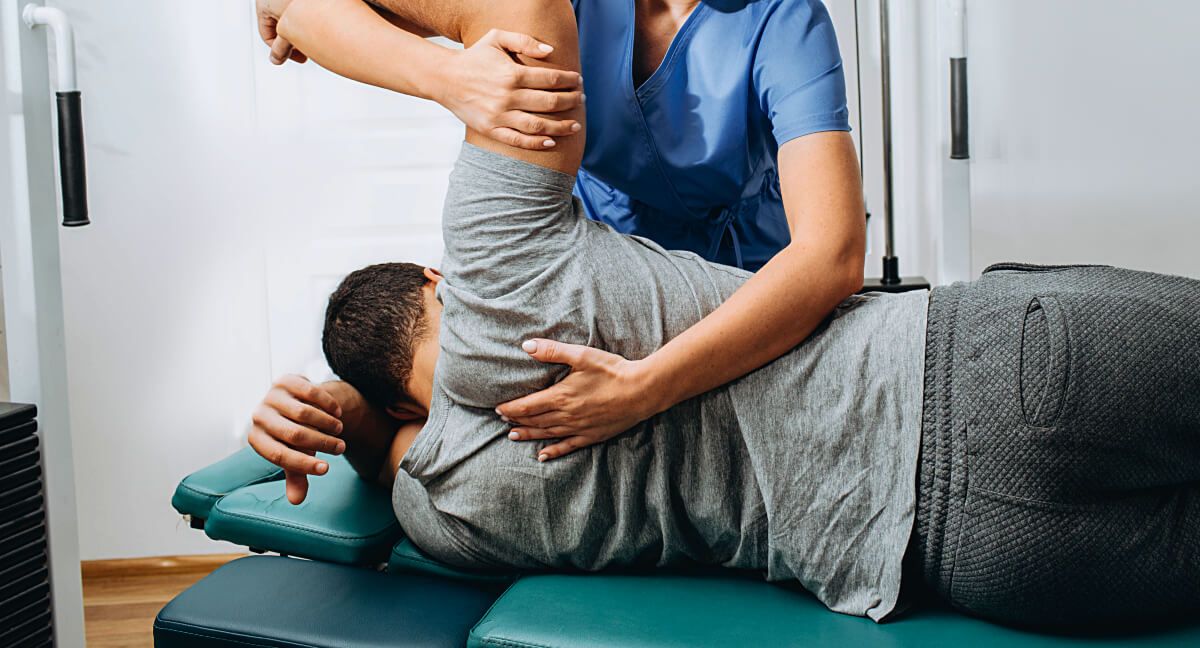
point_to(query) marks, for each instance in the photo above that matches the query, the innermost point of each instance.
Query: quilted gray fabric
(1059, 479)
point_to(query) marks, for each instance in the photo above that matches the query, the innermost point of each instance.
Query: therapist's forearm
(782, 303)
(351, 39)
(770, 314)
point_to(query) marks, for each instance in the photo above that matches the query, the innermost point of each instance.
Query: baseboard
(160, 565)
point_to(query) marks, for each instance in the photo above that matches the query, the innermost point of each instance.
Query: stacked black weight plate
(24, 573)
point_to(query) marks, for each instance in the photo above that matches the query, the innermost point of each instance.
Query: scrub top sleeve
(797, 72)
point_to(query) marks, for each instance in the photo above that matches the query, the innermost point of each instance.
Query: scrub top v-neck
(689, 157)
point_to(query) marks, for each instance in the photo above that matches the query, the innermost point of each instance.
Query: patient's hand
(294, 421)
(269, 12)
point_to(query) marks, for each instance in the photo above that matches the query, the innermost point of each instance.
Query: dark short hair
(372, 323)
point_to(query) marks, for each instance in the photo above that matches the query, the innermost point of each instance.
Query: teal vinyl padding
(344, 519)
(197, 493)
(286, 603)
(406, 558)
(563, 611)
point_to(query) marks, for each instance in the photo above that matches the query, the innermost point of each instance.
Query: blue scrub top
(689, 158)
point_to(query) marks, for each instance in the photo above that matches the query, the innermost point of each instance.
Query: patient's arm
(297, 419)
(368, 431)
(400, 443)
(479, 84)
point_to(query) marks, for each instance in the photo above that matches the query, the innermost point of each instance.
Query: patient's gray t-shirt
(804, 469)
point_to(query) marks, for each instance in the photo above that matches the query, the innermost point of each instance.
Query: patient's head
(378, 326)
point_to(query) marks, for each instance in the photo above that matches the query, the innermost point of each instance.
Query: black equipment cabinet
(25, 618)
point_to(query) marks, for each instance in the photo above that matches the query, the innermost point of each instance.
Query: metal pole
(890, 280)
(885, 65)
(33, 311)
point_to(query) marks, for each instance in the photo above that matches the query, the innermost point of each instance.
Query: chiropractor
(718, 127)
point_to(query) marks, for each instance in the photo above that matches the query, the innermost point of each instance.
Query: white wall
(916, 186)
(201, 174)
(1083, 134)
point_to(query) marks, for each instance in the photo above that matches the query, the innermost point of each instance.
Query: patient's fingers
(275, 451)
(281, 50)
(303, 413)
(301, 388)
(563, 447)
(267, 27)
(531, 433)
(293, 434)
(296, 486)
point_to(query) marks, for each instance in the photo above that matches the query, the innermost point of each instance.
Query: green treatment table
(327, 589)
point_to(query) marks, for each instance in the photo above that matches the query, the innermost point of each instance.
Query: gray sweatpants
(1059, 479)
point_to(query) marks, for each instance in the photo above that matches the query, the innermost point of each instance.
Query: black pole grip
(70, 159)
(959, 133)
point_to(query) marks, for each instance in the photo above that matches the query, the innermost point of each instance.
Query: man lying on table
(1053, 411)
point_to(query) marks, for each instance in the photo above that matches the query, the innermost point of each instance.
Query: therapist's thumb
(519, 43)
(554, 352)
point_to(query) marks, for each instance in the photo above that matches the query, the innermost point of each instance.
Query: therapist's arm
(771, 313)
(482, 85)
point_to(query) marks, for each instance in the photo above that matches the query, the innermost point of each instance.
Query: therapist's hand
(269, 12)
(294, 421)
(603, 396)
(506, 101)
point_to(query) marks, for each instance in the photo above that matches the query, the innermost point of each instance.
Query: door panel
(373, 167)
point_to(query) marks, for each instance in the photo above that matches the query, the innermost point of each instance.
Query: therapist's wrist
(657, 392)
(431, 76)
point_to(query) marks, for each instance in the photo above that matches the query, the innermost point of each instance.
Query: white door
(1084, 132)
(367, 174)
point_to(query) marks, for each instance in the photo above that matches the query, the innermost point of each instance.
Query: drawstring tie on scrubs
(723, 216)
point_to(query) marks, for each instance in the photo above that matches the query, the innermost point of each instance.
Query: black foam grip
(71, 167)
(959, 124)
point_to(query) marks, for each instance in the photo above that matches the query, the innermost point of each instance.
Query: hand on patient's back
(505, 100)
(294, 421)
(603, 396)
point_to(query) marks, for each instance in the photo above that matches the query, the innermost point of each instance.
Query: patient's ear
(406, 411)
(433, 275)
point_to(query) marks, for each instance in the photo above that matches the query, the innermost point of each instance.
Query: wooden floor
(121, 597)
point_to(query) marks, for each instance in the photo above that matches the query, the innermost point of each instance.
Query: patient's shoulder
(480, 360)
